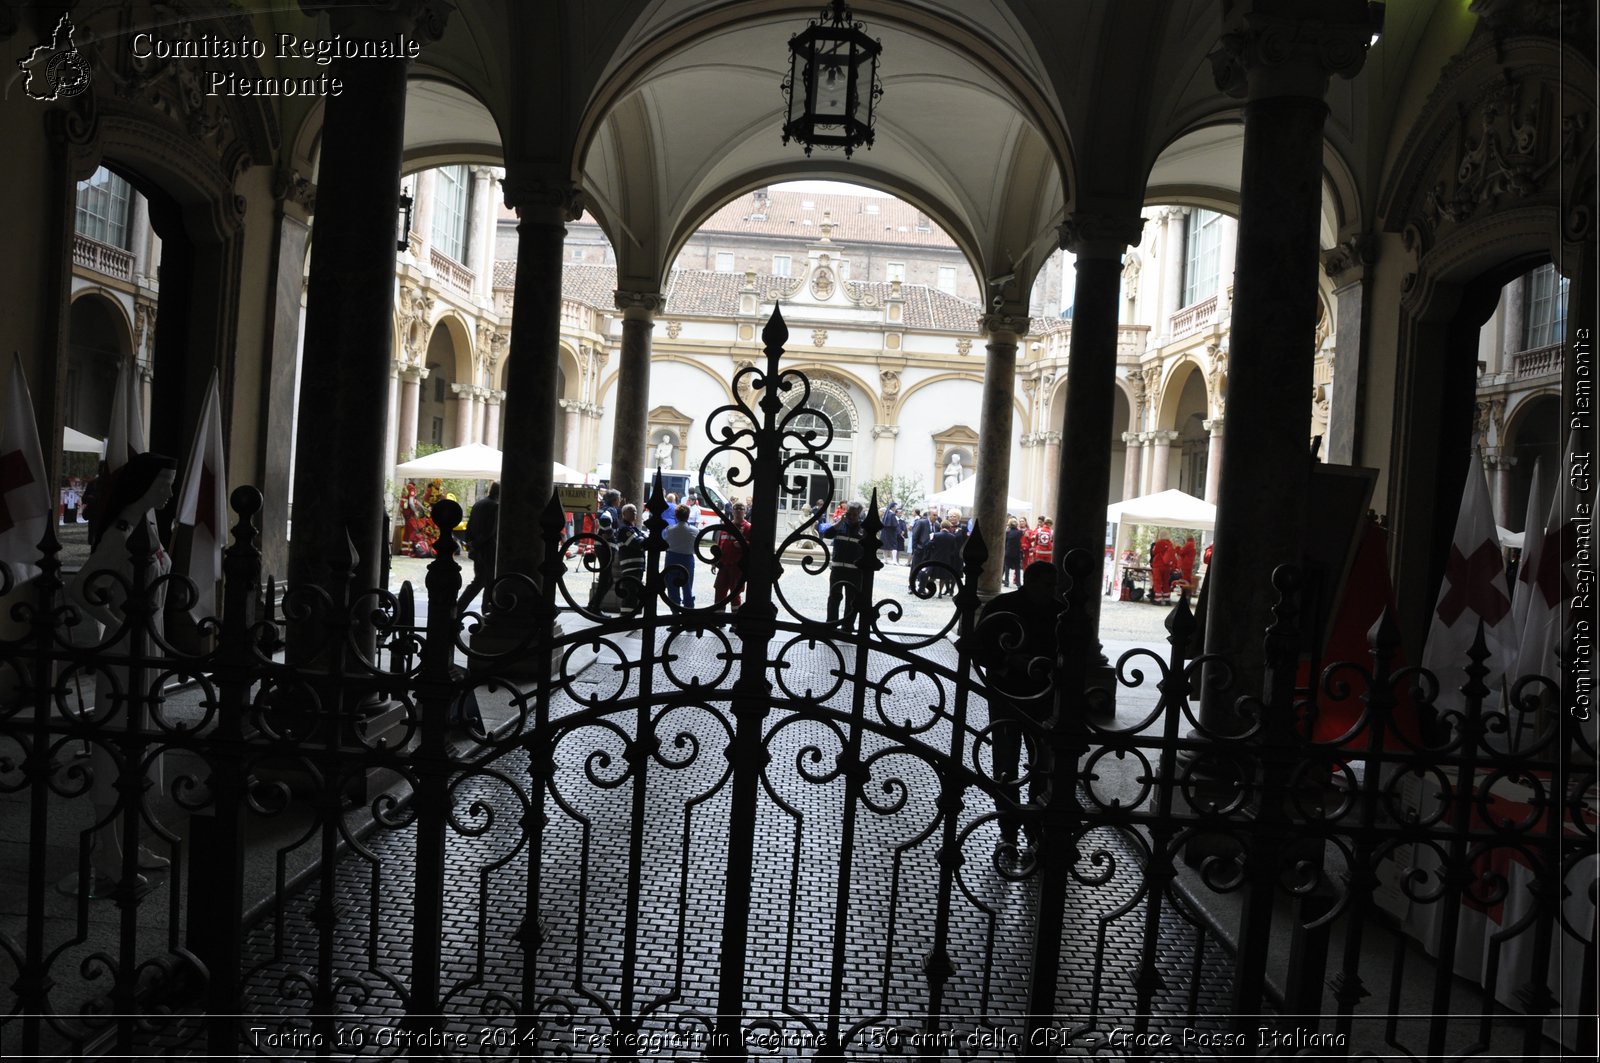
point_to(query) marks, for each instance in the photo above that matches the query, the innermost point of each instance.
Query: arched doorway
(98, 342)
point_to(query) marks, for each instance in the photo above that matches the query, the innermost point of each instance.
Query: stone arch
(465, 369)
(99, 340)
(610, 380)
(818, 371)
(1483, 188)
(571, 373)
(1173, 385)
(1533, 434)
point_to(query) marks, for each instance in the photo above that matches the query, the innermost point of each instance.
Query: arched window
(831, 399)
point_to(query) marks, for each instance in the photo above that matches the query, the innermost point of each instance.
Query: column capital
(1050, 439)
(461, 391)
(1133, 439)
(1163, 435)
(881, 430)
(1213, 425)
(410, 372)
(639, 305)
(538, 197)
(422, 20)
(999, 326)
(1100, 234)
(1272, 48)
(1499, 461)
(1351, 256)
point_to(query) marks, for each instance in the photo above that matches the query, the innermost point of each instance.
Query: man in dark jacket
(944, 556)
(921, 536)
(483, 533)
(844, 572)
(1016, 632)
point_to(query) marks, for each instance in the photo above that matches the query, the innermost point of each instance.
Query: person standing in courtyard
(893, 536)
(483, 532)
(844, 571)
(679, 559)
(921, 537)
(1011, 572)
(733, 538)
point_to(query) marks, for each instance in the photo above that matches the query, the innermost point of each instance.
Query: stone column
(526, 479)
(1172, 271)
(480, 235)
(1227, 254)
(994, 440)
(1511, 332)
(463, 402)
(139, 241)
(1346, 265)
(340, 459)
(411, 377)
(631, 407)
(491, 418)
(1213, 458)
(277, 382)
(1097, 239)
(422, 213)
(1050, 459)
(1499, 467)
(573, 425)
(1161, 458)
(1279, 57)
(391, 432)
(1131, 464)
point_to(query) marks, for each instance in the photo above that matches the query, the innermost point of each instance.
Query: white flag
(126, 437)
(1474, 589)
(203, 504)
(27, 502)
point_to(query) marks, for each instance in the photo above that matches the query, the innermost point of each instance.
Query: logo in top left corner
(56, 71)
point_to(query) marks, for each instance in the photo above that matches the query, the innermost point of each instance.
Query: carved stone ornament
(674, 328)
(295, 187)
(822, 283)
(889, 382)
(1100, 235)
(1277, 54)
(531, 196)
(650, 302)
(1352, 253)
(819, 336)
(1016, 324)
(963, 346)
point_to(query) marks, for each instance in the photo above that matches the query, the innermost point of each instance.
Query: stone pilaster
(1049, 444)
(491, 417)
(883, 444)
(1280, 56)
(994, 439)
(632, 403)
(464, 408)
(1346, 265)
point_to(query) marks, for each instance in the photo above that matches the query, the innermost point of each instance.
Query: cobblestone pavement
(631, 877)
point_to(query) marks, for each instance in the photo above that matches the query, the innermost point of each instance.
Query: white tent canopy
(1172, 509)
(475, 461)
(80, 443)
(962, 495)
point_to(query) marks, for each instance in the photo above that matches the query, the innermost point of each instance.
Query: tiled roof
(594, 285)
(785, 214)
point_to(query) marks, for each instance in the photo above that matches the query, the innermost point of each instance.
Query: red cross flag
(26, 500)
(1474, 589)
(126, 437)
(203, 505)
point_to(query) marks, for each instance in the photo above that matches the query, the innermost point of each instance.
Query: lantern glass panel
(833, 77)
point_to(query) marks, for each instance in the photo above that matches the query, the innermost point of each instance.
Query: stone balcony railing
(1537, 362)
(576, 316)
(453, 273)
(1194, 316)
(102, 258)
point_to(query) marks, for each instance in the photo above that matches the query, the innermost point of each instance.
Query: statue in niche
(954, 472)
(664, 451)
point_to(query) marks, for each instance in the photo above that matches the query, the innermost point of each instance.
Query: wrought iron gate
(689, 830)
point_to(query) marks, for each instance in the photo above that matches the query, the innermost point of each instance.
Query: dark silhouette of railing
(1231, 882)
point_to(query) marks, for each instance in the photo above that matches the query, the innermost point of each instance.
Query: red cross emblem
(1469, 580)
(14, 473)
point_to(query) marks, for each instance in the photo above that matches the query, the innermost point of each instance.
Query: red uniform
(729, 585)
(1044, 545)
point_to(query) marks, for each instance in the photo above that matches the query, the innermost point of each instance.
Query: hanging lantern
(403, 222)
(832, 88)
